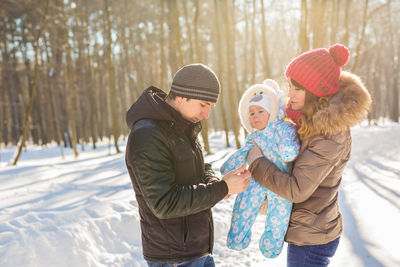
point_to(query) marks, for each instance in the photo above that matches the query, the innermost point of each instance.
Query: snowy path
(82, 212)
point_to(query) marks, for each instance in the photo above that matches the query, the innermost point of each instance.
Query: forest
(71, 69)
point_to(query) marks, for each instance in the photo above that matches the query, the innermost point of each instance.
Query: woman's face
(296, 96)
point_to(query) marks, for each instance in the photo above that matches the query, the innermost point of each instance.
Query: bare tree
(218, 40)
(111, 78)
(230, 65)
(162, 45)
(42, 12)
(253, 58)
(318, 22)
(303, 35)
(394, 53)
(264, 44)
(175, 54)
(334, 20)
(189, 28)
(361, 38)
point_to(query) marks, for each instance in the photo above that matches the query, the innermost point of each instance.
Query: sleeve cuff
(224, 188)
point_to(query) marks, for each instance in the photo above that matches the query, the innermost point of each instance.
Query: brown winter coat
(317, 171)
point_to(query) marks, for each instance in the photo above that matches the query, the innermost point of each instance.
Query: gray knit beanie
(196, 81)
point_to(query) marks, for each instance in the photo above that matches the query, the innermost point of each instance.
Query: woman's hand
(254, 154)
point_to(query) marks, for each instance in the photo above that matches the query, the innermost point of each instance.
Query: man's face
(193, 110)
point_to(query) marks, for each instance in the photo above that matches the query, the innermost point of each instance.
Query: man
(174, 188)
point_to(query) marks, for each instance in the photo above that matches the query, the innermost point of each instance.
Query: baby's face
(258, 117)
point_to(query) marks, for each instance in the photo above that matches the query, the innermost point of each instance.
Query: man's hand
(237, 180)
(254, 154)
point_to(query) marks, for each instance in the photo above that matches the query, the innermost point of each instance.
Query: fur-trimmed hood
(347, 108)
(268, 88)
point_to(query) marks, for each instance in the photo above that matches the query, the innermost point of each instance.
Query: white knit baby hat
(266, 89)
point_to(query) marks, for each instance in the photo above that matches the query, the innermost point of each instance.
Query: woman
(329, 101)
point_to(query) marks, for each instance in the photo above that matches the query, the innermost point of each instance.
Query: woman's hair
(312, 104)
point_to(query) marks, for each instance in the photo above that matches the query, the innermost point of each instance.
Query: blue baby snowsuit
(279, 144)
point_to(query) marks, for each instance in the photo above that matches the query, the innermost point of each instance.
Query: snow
(82, 212)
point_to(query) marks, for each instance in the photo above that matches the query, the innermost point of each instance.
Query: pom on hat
(340, 54)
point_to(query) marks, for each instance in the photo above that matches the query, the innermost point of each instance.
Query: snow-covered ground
(82, 212)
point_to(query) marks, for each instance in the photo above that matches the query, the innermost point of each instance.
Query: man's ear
(179, 99)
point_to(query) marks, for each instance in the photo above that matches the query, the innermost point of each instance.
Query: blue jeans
(206, 261)
(311, 256)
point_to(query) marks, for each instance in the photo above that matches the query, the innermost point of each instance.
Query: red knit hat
(319, 70)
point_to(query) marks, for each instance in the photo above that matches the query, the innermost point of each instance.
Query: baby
(262, 114)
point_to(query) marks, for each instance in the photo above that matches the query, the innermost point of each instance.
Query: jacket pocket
(185, 168)
(199, 231)
(306, 219)
(173, 232)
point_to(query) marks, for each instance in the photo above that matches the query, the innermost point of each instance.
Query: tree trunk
(28, 111)
(189, 28)
(199, 57)
(253, 45)
(175, 54)
(54, 108)
(245, 69)
(303, 36)
(394, 112)
(102, 97)
(92, 91)
(334, 20)
(69, 80)
(111, 78)
(56, 36)
(162, 44)
(346, 35)
(41, 129)
(230, 65)
(318, 22)
(219, 55)
(361, 40)
(264, 44)
(4, 123)
(11, 83)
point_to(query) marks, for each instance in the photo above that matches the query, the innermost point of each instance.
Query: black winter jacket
(174, 188)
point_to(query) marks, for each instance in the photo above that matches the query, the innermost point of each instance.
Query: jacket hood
(268, 88)
(150, 105)
(346, 108)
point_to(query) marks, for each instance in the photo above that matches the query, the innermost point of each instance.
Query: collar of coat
(346, 108)
(189, 128)
(151, 105)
